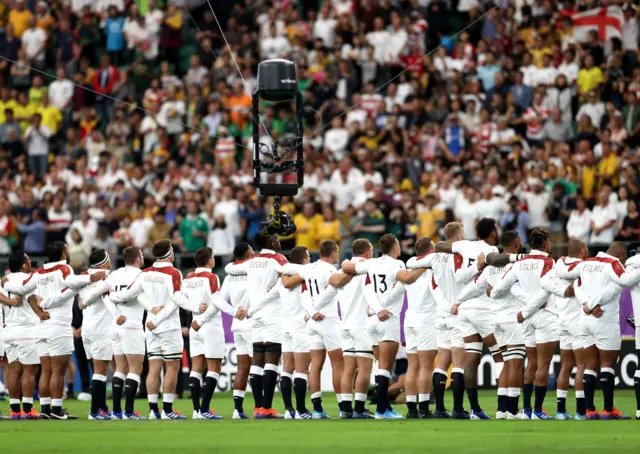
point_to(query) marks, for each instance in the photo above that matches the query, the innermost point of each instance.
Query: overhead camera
(277, 82)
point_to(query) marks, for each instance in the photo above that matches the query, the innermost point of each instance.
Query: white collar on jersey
(536, 252)
(162, 265)
(267, 251)
(604, 254)
(46, 266)
(202, 270)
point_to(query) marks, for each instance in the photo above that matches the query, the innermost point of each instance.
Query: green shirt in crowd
(188, 227)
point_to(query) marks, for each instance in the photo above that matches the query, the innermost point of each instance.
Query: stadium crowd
(125, 122)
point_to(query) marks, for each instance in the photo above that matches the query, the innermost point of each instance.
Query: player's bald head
(576, 245)
(424, 245)
(618, 249)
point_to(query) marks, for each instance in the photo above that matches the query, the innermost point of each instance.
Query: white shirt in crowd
(537, 205)
(229, 209)
(139, 231)
(346, 192)
(87, 231)
(595, 111)
(336, 141)
(494, 208)
(578, 225)
(600, 216)
(60, 92)
(324, 28)
(274, 47)
(170, 116)
(33, 40)
(37, 140)
(465, 210)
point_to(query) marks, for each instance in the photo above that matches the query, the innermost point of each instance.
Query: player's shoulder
(281, 259)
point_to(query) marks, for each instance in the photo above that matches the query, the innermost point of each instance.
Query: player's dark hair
(202, 256)
(327, 248)
(485, 227)
(265, 241)
(538, 237)
(241, 250)
(361, 247)
(508, 238)
(161, 248)
(17, 260)
(423, 245)
(55, 251)
(97, 257)
(298, 254)
(131, 254)
(451, 230)
(387, 242)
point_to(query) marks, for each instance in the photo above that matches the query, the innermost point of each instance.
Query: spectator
(37, 139)
(329, 227)
(85, 226)
(307, 224)
(20, 18)
(34, 40)
(603, 222)
(193, 229)
(221, 241)
(516, 219)
(79, 250)
(371, 223)
(34, 230)
(630, 230)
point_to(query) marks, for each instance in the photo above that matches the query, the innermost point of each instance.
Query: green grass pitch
(269, 436)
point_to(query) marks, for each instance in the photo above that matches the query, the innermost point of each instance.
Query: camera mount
(277, 82)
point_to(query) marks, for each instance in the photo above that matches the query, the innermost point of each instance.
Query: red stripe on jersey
(579, 282)
(433, 283)
(367, 280)
(171, 271)
(63, 268)
(277, 257)
(30, 276)
(424, 255)
(615, 264)
(304, 287)
(214, 283)
(457, 261)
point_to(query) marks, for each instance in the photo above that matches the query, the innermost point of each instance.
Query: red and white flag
(606, 21)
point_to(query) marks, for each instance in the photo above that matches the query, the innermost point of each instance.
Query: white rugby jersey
(21, 318)
(422, 300)
(443, 271)
(315, 283)
(595, 276)
(49, 282)
(353, 304)
(505, 307)
(530, 272)
(263, 271)
(466, 269)
(568, 309)
(98, 317)
(202, 286)
(159, 283)
(633, 263)
(234, 290)
(293, 312)
(381, 274)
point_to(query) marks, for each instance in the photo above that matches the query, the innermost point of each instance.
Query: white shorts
(297, 342)
(473, 321)
(604, 335)
(244, 342)
(371, 330)
(324, 335)
(267, 330)
(448, 333)
(421, 339)
(25, 351)
(388, 330)
(357, 342)
(510, 333)
(55, 341)
(1, 342)
(207, 341)
(167, 345)
(540, 328)
(570, 334)
(128, 341)
(638, 337)
(98, 347)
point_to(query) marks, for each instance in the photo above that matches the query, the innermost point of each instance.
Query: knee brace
(515, 353)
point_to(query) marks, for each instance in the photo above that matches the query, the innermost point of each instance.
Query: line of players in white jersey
(461, 295)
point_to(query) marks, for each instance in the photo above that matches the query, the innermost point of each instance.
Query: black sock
(347, 406)
(608, 382)
(56, 410)
(439, 386)
(541, 392)
(300, 390)
(15, 407)
(210, 384)
(167, 407)
(98, 395)
(359, 406)
(412, 406)
(527, 392)
(512, 404)
(340, 406)
(636, 385)
(130, 391)
(194, 387)
(256, 386)
(382, 392)
(423, 406)
(457, 386)
(117, 386)
(45, 408)
(286, 387)
(270, 381)
(502, 403)
(237, 403)
(70, 393)
(317, 404)
(581, 406)
(562, 404)
(472, 393)
(153, 406)
(27, 406)
(590, 382)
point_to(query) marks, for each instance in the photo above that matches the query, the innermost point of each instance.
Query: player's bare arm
(290, 282)
(410, 276)
(339, 280)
